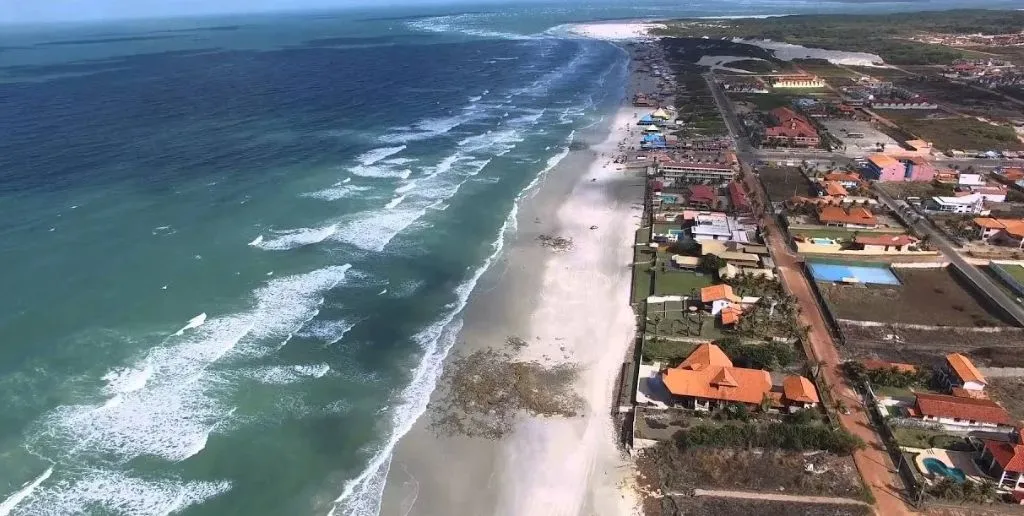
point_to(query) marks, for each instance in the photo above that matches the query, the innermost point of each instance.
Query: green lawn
(679, 283)
(960, 133)
(920, 438)
(641, 283)
(763, 101)
(1015, 271)
(893, 392)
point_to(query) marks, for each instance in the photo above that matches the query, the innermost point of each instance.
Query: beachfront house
(1004, 460)
(959, 371)
(703, 196)
(847, 179)
(790, 129)
(707, 379)
(960, 412)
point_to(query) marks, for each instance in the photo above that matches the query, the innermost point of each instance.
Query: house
(717, 226)
(1005, 460)
(847, 179)
(959, 371)
(790, 129)
(730, 315)
(730, 271)
(960, 413)
(709, 295)
(883, 167)
(703, 196)
(1008, 232)
(800, 392)
(970, 203)
(740, 203)
(856, 217)
(990, 193)
(708, 379)
(833, 189)
(885, 243)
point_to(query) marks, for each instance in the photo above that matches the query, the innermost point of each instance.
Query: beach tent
(651, 128)
(653, 141)
(660, 113)
(646, 120)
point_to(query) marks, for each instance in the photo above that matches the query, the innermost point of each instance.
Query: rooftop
(964, 368)
(882, 160)
(1009, 455)
(968, 409)
(717, 293)
(798, 388)
(837, 214)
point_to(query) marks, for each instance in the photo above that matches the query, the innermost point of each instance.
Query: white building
(971, 203)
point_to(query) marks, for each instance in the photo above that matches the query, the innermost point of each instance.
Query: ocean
(236, 249)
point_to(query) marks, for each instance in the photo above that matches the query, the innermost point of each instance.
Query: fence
(1013, 283)
(915, 490)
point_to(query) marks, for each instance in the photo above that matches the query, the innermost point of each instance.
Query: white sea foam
(340, 190)
(108, 492)
(194, 322)
(172, 415)
(284, 375)
(294, 238)
(330, 332)
(26, 490)
(256, 241)
(127, 379)
(372, 156)
(394, 202)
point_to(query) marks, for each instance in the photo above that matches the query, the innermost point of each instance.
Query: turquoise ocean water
(235, 249)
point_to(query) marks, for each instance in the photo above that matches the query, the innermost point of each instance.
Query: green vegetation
(972, 492)
(882, 34)
(960, 133)
(785, 436)
(763, 101)
(1015, 271)
(668, 352)
(674, 282)
(770, 356)
(887, 377)
(924, 439)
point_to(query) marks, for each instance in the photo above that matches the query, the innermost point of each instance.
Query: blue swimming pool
(865, 274)
(939, 468)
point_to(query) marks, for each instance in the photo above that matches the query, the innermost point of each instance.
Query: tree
(710, 263)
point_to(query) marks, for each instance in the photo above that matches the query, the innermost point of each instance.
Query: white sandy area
(615, 31)
(571, 467)
(719, 62)
(789, 52)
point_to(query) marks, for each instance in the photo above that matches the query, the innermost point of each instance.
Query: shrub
(785, 436)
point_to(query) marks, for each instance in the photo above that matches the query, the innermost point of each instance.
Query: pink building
(883, 167)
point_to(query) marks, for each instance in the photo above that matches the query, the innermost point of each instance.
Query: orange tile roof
(834, 188)
(964, 368)
(731, 315)
(917, 144)
(707, 354)
(842, 176)
(880, 364)
(988, 223)
(1009, 455)
(856, 215)
(968, 409)
(719, 383)
(1013, 174)
(882, 160)
(718, 293)
(798, 388)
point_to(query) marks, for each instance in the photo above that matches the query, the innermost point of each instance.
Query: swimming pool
(837, 272)
(939, 468)
(822, 241)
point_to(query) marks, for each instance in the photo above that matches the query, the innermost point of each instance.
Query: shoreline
(552, 301)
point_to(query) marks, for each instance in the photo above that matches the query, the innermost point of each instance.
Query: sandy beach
(569, 307)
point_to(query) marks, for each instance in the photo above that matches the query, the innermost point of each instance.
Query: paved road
(717, 493)
(873, 461)
(981, 280)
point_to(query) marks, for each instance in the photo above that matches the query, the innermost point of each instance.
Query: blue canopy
(646, 120)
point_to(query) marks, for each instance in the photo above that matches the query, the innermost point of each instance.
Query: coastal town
(828, 279)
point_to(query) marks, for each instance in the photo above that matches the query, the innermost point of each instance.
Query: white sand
(572, 466)
(615, 31)
(789, 52)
